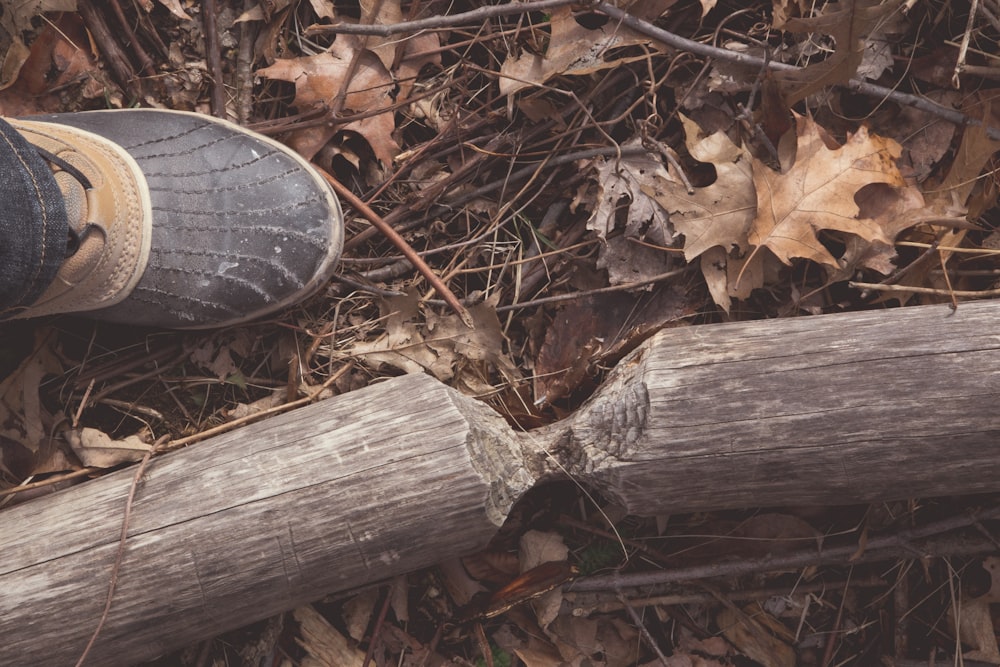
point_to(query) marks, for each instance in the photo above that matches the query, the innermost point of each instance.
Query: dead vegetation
(578, 176)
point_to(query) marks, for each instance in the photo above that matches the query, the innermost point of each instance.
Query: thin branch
(120, 553)
(214, 58)
(863, 87)
(402, 246)
(440, 22)
(918, 541)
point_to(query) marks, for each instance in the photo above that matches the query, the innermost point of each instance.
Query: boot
(179, 220)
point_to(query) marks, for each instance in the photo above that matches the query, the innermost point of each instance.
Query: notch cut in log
(406, 473)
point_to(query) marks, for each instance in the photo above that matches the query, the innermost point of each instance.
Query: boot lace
(75, 236)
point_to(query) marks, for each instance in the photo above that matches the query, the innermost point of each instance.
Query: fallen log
(821, 410)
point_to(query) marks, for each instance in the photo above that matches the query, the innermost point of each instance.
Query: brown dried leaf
(387, 48)
(98, 449)
(576, 339)
(818, 192)
(850, 23)
(23, 418)
(15, 21)
(319, 79)
(624, 183)
(719, 214)
(714, 219)
(175, 8)
(573, 50)
(442, 345)
(358, 611)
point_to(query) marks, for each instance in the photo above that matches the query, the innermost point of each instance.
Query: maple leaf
(817, 193)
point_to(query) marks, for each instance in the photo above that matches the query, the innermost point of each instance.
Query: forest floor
(661, 163)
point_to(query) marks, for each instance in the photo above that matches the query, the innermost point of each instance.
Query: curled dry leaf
(98, 449)
(441, 345)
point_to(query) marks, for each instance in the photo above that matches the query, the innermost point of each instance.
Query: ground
(661, 164)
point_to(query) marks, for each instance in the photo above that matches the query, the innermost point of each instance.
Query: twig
(831, 640)
(82, 472)
(116, 59)
(643, 631)
(904, 289)
(244, 65)
(379, 624)
(956, 77)
(120, 553)
(877, 550)
(440, 22)
(213, 58)
(229, 426)
(402, 246)
(603, 290)
(145, 63)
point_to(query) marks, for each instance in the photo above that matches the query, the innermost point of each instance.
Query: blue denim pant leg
(33, 226)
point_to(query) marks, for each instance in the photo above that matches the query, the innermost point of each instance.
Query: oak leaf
(715, 219)
(318, 80)
(817, 193)
(851, 24)
(572, 49)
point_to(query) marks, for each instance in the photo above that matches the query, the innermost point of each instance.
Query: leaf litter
(581, 185)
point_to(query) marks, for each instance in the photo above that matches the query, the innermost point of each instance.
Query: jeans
(33, 226)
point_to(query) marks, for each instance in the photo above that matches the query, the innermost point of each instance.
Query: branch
(707, 51)
(439, 22)
(648, 29)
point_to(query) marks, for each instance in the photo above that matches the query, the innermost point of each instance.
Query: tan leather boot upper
(113, 220)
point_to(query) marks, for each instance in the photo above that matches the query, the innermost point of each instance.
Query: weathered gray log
(834, 409)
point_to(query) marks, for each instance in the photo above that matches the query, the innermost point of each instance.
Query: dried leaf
(850, 23)
(358, 613)
(98, 449)
(23, 419)
(442, 345)
(15, 21)
(818, 192)
(621, 184)
(757, 635)
(714, 218)
(175, 8)
(576, 339)
(719, 214)
(573, 49)
(976, 630)
(319, 79)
